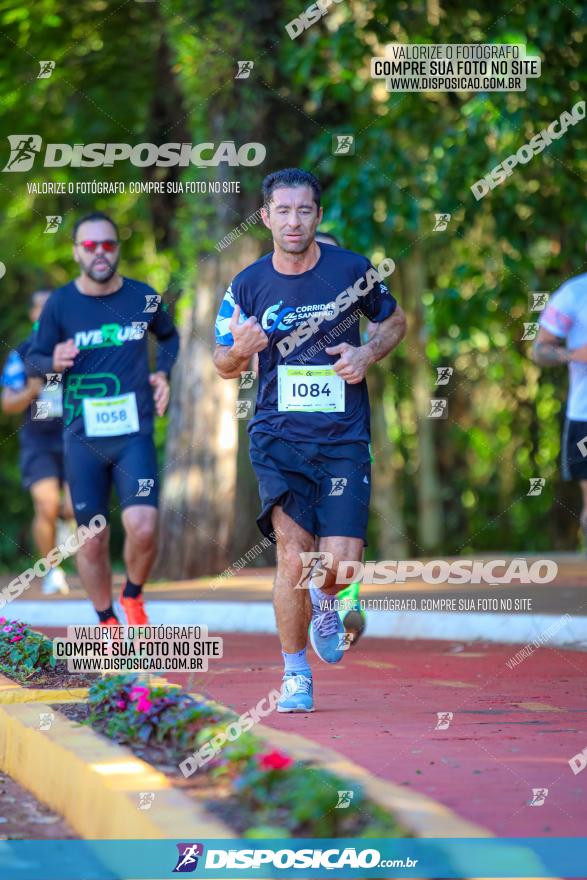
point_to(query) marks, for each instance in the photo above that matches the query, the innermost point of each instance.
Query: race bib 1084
(309, 389)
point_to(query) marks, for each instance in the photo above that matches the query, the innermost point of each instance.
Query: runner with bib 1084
(299, 308)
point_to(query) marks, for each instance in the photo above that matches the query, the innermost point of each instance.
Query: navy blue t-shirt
(111, 333)
(299, 315)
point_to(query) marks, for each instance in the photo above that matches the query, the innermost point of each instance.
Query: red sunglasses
(108, 246)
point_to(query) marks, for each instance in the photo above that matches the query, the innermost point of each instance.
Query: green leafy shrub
(23, 651)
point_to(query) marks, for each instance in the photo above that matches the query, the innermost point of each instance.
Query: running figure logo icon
(41, 410)
(310, 567)
(53, 381)
(338, 485)
(530, 331)
(244, 69)
(344, 799)
(539, 795)
(53, 222)
(443, 375)
(441, 222)
(145, 487)
(152, 301)
(146, 799)
(343, 145)
(187, 861)
(46, 719)
(538, 301)
(24, 148)
(438, 408)
(345, 640)
(243, 409)
(139, 328)
(247, 379)
(536, 486)
(444, 719)
(46, 69)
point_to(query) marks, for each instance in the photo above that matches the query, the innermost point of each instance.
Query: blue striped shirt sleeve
(225, 313)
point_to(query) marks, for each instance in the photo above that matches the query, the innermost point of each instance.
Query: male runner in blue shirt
(299, 308)
(40, 441)
(94, 331)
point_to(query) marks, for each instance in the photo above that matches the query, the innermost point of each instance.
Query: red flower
(274, 761)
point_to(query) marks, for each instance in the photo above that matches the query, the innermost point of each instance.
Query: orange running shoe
(108, 624)
(134, 610)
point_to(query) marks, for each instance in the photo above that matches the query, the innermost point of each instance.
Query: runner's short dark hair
(290, 177)
(95, 215)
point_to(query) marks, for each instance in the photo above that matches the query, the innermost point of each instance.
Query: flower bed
(26, 656)
(258, 792)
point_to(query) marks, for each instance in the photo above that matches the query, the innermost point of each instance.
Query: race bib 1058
(111, 416)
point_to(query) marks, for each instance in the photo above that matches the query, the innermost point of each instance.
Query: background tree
(166, 72)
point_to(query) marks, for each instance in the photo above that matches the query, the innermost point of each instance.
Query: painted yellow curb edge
(14, 692)
(94, 783)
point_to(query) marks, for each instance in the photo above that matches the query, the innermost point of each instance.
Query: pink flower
(2, 620)
(141, 695)
(121, 704)
(16, 639)
(7, 629)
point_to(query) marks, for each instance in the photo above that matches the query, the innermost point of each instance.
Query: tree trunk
(386, 506)
(430, 513)
(199, 489)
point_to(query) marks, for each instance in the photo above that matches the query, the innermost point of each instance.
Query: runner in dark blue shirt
(95, 331)
(299, 309)
(40, 441)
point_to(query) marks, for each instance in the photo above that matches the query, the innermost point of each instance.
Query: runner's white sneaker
(296, 694)
(55, 582)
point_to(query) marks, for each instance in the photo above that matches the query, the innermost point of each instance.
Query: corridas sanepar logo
(25, 147)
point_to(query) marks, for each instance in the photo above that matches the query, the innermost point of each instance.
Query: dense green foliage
(165, 72)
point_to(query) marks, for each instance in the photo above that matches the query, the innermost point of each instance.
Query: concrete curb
(13, 692)
(94, 783)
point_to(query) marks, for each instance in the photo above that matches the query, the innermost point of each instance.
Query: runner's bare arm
(249, 338)
(549, 350)
(387, 335)
(17, 401)
(227, 362)
(354, 362)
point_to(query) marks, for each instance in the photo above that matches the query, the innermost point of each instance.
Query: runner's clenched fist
(249, 338)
